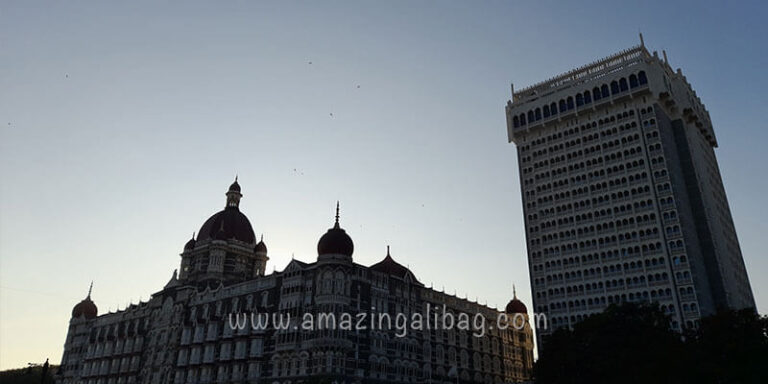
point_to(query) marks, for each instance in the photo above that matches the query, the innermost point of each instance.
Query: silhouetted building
(622, 194)
(183, 333)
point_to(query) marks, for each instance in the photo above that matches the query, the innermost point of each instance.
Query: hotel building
(622, 194)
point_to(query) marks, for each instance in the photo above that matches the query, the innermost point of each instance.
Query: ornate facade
(184, 333)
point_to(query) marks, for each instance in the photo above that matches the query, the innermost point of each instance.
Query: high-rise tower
(622, 194)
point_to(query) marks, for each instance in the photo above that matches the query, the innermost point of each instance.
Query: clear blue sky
(122, 124)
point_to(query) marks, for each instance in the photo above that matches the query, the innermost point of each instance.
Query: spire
(90, 289)
(514, 291)
(262, 238)
(642, 42)
(387, 250)
(337, 215)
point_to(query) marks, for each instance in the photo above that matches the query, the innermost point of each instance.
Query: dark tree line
(633, 343)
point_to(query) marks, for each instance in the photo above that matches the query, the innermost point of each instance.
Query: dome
(336, 240)
(86, 307)
(227, 224)
(235, 187)
(261, 247)
(190, 244)
(516, 306)
(392, 267)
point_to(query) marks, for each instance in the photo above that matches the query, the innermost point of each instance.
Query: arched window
(587, 97)
(604, 90)
(553, 109)
(530, 116)
(562, 106)
(522, 119)
(614, 87)
(546, 111)
(641, 78)
(596, 93)
(570, 102)
(632, 81)
(623, 84)
(538, 113)
(515, 122)
(579, 100)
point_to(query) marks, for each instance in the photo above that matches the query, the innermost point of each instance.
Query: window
(642, 79)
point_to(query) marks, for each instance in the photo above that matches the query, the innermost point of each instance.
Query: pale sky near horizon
(123, 123)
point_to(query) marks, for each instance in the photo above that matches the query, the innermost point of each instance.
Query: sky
(123, 123)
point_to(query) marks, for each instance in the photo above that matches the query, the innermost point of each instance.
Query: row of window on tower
(584, 98)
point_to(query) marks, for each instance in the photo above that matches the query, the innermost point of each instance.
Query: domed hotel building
(184, 334)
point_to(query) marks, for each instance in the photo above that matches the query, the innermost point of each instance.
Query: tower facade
(622, 194)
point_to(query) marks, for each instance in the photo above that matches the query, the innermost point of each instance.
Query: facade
(184, 333)
(622, 194)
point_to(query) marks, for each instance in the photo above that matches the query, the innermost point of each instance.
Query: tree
(630, 343)
(730, 347)
(633, 343)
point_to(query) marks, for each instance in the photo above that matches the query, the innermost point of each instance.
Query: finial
(642, 42)
(514, 291)
(387, 250)
(262, 238)
(90, 289)
(235, 177)
(337, 211)
(193, 235)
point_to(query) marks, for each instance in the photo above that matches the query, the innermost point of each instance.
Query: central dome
(229, 223)
(233, 223)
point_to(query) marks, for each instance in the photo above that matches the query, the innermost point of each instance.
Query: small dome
(391, 267)
(86, 307)
(516, 306)
(336, 240)
(190, 244)
(260, 247)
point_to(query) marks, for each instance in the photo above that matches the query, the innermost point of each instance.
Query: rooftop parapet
(583, 74)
